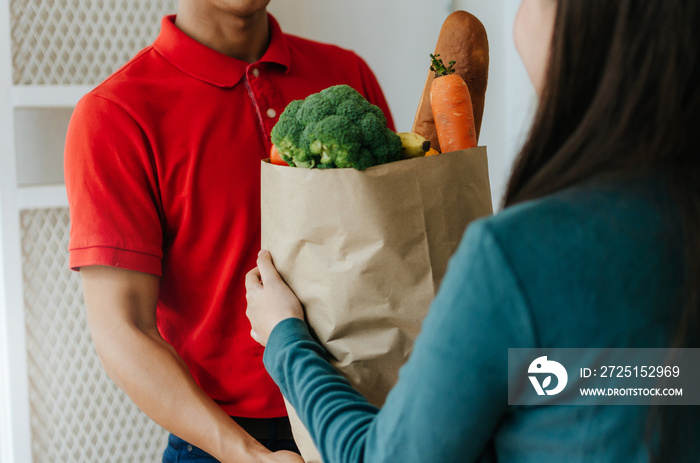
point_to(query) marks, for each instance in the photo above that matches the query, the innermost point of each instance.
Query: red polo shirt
(162, 167)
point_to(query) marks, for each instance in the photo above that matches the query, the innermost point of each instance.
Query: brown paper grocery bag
(365, 252)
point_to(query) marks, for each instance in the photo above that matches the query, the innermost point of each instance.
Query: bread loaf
(462, 39)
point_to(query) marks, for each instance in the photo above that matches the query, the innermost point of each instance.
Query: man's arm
(121, 309)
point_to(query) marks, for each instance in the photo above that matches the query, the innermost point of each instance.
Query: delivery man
(162, 167)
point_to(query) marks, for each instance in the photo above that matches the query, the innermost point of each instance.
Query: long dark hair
(622, 98)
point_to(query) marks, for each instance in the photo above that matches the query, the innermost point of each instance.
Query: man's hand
(270, 300)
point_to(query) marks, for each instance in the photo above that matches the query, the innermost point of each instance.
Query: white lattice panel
(79, 42)
(77, 412)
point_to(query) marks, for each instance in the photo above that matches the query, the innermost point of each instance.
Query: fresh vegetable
(336, 127)
(275, 157)
(462, 38)
(413, 145)
(432, 152)
(452, 108)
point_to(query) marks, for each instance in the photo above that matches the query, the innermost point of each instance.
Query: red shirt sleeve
(373, 92)
(112, 190)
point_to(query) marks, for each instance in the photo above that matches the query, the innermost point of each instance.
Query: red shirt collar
(203, 63)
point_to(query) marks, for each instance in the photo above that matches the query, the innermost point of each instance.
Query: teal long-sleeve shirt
(596, 266)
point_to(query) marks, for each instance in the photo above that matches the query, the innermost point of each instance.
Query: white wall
(510, 98)
(396, 36)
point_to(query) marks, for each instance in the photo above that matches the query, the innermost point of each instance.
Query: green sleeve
(451, 393)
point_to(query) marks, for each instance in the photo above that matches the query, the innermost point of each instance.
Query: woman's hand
(269, 299)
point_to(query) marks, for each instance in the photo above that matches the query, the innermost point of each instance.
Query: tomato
(275, 157)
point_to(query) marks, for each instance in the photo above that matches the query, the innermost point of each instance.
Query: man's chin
(242, 8)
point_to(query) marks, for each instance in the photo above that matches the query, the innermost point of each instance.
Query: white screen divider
(56, 402)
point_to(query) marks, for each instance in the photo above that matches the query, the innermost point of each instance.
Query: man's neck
(245, 38)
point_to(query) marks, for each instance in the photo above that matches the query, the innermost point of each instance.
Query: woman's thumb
(268, 272)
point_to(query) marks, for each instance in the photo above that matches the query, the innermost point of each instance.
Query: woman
(597, 247)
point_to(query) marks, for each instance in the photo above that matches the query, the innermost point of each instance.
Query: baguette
(462, 39)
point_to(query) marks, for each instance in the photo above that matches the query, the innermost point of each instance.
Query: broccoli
(336, 127)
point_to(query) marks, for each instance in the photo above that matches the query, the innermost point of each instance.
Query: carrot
(452, 108)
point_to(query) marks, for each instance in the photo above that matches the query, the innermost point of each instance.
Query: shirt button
(271, 113)
(189, 448)
(256, 72)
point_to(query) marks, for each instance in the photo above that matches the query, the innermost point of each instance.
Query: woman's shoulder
(588, 254)
(599, 213)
